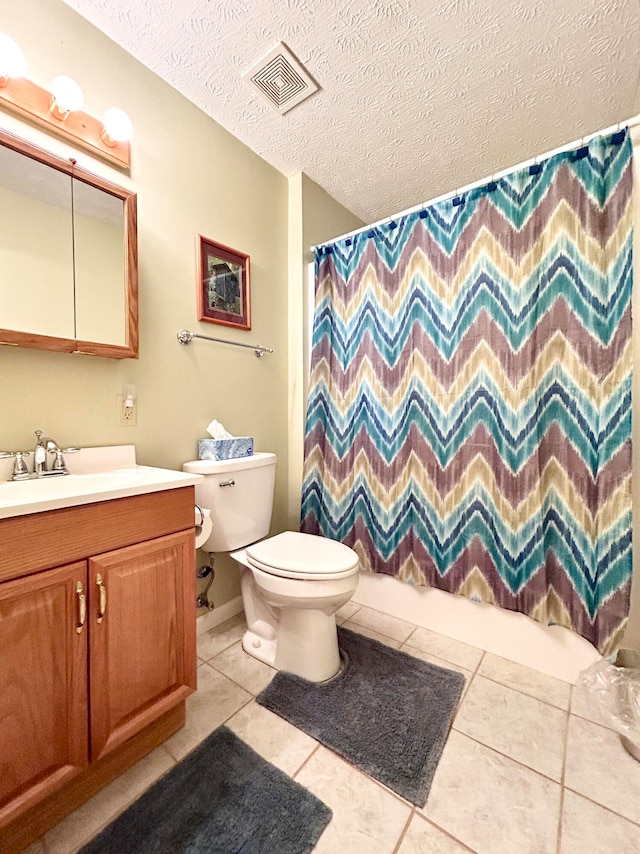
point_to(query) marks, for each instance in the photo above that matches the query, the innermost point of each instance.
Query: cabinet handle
(82, 607)
(103, 598)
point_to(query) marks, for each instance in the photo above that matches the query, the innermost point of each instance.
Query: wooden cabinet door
(43, 686)
(142, 649)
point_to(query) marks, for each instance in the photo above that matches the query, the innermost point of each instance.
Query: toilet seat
(303, 556)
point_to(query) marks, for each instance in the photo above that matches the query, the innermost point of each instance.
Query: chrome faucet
(39, 455)
(44, 445)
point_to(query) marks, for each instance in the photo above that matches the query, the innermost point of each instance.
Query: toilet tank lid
(253, 461)
(303, 553)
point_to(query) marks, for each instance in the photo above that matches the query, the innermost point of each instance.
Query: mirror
(68, 256)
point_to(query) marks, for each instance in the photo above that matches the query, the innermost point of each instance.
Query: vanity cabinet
(97, 654)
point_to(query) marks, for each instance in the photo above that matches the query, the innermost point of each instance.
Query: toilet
(292, 584)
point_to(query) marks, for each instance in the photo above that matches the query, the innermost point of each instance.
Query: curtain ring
(582, 151)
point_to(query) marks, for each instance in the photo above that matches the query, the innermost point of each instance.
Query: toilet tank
(239, 494)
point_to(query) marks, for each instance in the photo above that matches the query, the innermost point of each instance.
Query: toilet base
(306, 644)
(258, 647)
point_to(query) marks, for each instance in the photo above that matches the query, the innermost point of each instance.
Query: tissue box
(225, 449)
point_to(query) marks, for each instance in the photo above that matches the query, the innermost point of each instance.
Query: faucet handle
(59, 464)
(20, 470)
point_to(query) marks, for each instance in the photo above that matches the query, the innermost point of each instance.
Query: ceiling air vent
(281, 79)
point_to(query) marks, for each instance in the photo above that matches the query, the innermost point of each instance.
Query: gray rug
(387, 713)
(221, 798)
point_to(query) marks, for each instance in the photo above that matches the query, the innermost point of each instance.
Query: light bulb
(12, 61)
(117, 127)
(67, 96)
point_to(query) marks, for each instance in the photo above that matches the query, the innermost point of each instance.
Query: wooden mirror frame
(74, 345)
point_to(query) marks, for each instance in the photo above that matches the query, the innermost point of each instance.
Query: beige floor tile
(366, 817)
(422, 837)
(451, 650)
(587, 827)
(384, 624)
(347, 611)
(221, 637)
(521, 727)
(491, 803)
(525, 679)
(247, 671)
(599, 768)
(272, 737)
(370, 633)
(433, 659)
(84, 823)
(216, 699)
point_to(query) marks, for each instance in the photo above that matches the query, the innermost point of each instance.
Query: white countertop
(97, 474)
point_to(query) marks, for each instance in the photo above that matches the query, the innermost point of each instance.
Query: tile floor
(525, 768)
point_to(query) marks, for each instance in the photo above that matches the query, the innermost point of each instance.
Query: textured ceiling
(417, 97)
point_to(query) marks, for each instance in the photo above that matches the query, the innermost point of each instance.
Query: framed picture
(223, 292)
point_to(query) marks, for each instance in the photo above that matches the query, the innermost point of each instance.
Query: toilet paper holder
(203, 525)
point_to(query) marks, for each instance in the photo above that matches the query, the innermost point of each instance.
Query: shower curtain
(469, 413)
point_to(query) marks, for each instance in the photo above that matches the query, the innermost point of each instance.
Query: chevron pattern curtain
(469, 414)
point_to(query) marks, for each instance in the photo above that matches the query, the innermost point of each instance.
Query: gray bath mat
(387, 713)
(221, 798)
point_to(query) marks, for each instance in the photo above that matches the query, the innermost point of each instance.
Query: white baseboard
(553, 650)
(218, 615)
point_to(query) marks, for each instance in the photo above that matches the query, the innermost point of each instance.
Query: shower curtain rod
(451, 194)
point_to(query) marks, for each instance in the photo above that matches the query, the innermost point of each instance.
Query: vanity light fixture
(60, 111)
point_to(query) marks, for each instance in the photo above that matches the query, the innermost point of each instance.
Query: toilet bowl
(292, 586)
(292, 583)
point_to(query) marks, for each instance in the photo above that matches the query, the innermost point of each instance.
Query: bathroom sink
(97, 474)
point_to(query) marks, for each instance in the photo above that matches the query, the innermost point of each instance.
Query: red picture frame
(224, 290)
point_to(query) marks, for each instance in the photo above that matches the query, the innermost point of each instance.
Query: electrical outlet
(127, 415)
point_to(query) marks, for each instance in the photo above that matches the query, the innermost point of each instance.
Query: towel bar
(185, 337)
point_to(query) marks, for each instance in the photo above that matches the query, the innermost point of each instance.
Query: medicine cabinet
(68, 256)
